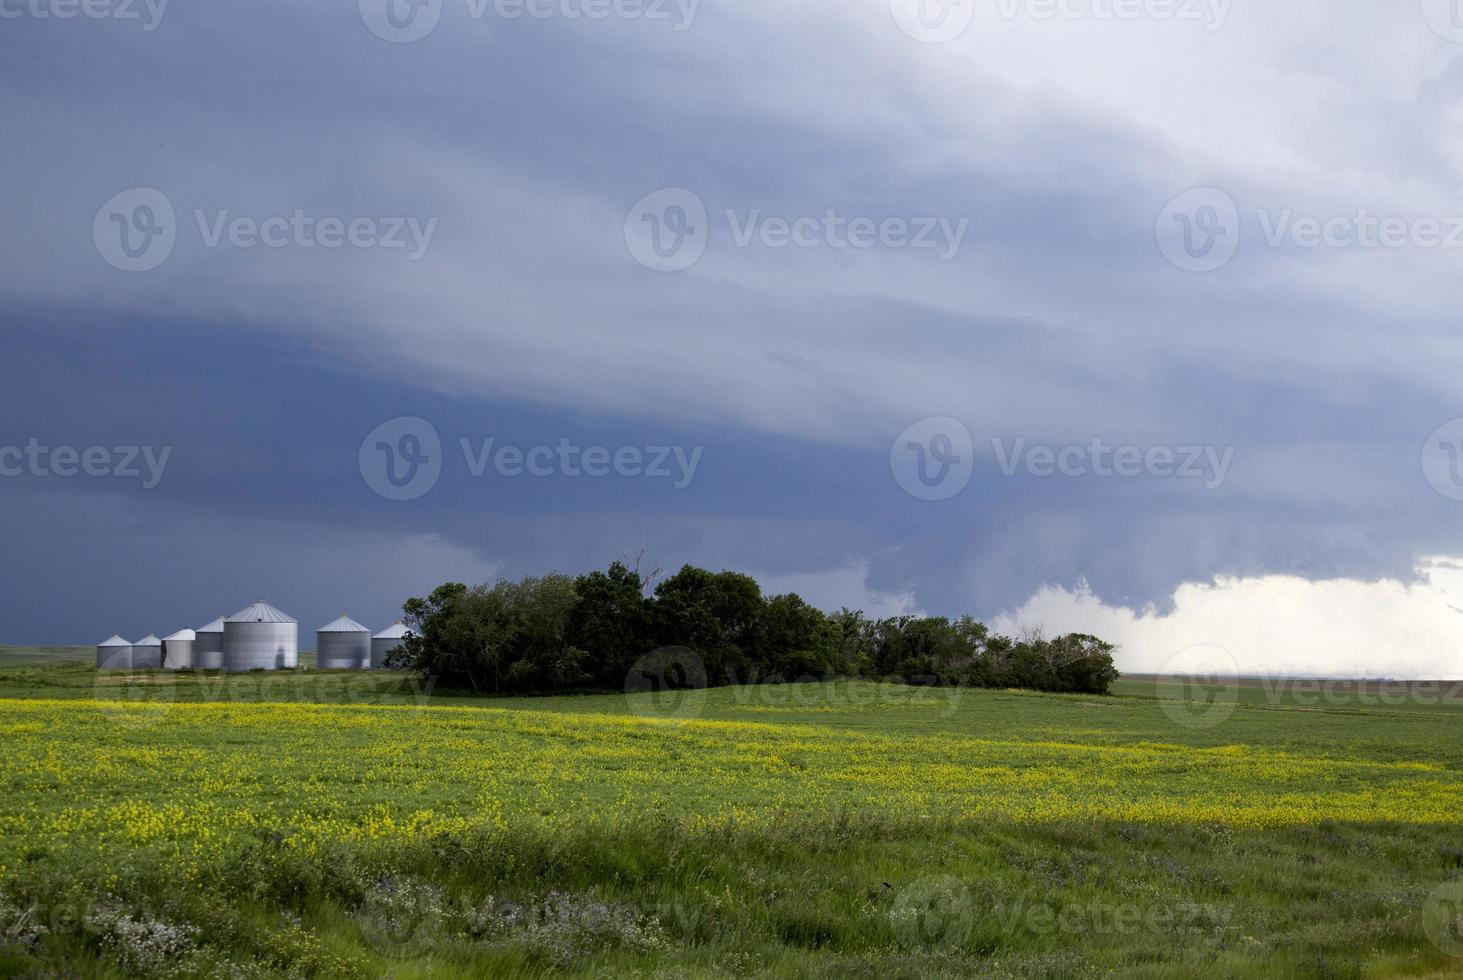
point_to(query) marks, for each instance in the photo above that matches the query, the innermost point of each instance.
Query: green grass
(875, 830)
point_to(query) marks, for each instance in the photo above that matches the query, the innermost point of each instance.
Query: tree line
(558, 633)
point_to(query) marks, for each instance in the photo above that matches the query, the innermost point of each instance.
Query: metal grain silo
(342, 645)
(260, 637)
(147, 653)
(208, 646)
(386, 641)
(114, 654)
(178, 650)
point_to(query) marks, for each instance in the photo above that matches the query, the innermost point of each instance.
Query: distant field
(41, 655)
(350, 824)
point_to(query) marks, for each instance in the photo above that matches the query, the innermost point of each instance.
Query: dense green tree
(555, 633)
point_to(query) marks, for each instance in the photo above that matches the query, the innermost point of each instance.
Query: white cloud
(1277, 625)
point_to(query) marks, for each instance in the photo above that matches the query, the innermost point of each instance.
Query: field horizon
(335, 823)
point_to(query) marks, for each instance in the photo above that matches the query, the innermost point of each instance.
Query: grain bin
(178, 650)
(260, 637)
(114, 654)
(342, 645)
(147, 653)
(386, 641)
(208, 646)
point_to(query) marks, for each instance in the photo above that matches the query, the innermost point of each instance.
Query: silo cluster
(114, 654)
(343, 645)
(147, 653)
(257, 637)
(387, 641)
(178, 650)
(260, 637)
(208, 646)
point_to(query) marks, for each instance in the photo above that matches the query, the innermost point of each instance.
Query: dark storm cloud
(526, 319)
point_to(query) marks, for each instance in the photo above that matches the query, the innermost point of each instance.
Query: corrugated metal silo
(386, 641)
(208, 646)
(147, 653)
(260, 637)
(114, 654)
(342, 645)
(178, 650)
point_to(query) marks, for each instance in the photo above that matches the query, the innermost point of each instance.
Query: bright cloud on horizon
(1276, 626)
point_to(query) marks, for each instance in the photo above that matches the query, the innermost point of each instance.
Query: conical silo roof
(180, 635)
(115, 641)
(343, 625)
(150, 640)
(260, 611)
(395, 631)
(217, 626)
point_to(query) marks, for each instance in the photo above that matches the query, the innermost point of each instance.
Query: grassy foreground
(360, 825)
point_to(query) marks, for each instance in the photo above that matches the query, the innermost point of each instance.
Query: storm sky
(1138, 318)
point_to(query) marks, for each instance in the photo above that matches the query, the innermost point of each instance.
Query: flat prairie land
(349, 824)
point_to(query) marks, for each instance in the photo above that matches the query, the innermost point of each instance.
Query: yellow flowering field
(107, 778)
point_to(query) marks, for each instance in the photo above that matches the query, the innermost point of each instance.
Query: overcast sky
(1136, 318)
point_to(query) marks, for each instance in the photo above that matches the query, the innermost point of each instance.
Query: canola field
(256, 828)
